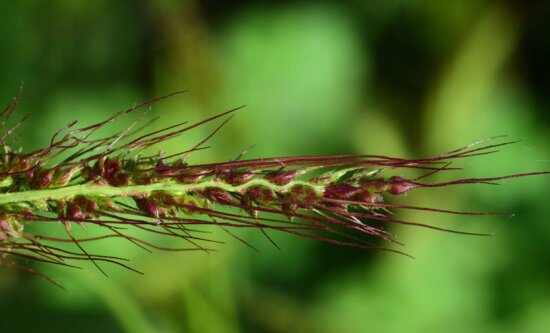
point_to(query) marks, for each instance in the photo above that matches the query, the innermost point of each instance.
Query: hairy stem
(105, 190)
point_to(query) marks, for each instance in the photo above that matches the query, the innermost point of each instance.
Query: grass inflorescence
(79, 180)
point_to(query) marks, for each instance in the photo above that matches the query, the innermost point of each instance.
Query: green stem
(136, 190)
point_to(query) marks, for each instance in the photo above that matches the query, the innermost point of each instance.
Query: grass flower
(80, 179)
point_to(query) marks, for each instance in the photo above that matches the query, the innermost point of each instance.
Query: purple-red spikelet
(106, 182)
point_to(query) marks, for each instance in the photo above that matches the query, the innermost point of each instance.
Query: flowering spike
(105, 182)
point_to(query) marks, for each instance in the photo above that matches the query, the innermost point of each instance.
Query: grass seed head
(108, 183)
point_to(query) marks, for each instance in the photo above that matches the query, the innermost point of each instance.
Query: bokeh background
(393, 77)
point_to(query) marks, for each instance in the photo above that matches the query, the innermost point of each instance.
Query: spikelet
(79, 179)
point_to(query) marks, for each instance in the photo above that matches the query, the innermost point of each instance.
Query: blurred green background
(392, 77)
